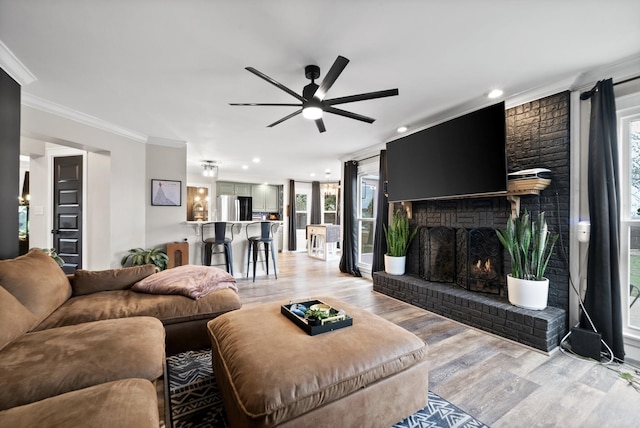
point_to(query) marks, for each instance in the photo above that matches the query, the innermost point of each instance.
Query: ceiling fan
(312, 100)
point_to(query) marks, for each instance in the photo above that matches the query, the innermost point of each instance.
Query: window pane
(367, 233)
(301, 203)
(330, 202)
(330, 218)
(301, 221)
(368, 196)
(634, 136)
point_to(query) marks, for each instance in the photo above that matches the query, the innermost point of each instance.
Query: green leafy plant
(139, 256)
(529, 244)
(399, 234)
(51, 252)
(318, 313)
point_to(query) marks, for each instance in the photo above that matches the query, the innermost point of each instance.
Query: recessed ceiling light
(313, 174)
(402, 129)
(245, 166)
(256, 160)
(495, 93)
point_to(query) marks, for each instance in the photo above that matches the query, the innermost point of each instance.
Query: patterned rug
(196, 400)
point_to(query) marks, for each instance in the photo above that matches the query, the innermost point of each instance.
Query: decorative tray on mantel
(335, 318)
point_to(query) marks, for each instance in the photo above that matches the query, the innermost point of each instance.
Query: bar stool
(266, 239)
(219, 238)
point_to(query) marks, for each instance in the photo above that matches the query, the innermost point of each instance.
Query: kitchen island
(239, 245)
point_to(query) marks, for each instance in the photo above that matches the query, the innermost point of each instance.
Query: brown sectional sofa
(66, 341)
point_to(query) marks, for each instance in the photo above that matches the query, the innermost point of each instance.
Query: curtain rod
(587, 94)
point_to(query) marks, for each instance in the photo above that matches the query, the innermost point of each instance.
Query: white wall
(119, 216)
(166, 224)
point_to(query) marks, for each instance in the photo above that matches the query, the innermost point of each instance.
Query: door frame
(56, 152)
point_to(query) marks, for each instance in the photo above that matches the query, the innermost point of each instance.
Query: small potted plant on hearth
(398, 236)
(529, 244)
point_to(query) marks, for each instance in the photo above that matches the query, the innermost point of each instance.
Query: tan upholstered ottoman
(270, 372)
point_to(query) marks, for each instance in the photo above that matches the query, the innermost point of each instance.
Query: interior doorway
(67, 210)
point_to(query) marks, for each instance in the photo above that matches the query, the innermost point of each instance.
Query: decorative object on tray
(315, 316)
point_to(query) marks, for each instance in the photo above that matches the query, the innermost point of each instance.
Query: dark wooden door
(67, 211)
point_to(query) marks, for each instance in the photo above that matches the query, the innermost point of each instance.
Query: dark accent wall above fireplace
(537, 136)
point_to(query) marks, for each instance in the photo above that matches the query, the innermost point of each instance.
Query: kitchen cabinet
(265, 198)
(230, 188)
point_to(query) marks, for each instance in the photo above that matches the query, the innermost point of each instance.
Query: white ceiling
(168, 69)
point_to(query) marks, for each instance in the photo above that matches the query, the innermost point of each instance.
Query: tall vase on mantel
(530, 245)
(398, 236)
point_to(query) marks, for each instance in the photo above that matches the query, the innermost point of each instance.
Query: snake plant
(398, 235)
(529, 244)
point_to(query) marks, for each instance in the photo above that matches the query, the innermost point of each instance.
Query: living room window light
(367, 211)
(628, 109)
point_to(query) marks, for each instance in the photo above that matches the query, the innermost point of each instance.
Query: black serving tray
(312, 330)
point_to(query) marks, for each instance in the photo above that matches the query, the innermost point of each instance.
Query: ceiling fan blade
(348, 114)
(274, 83)
(330, 78)
(264, 104)
(361, 97)
(295, 113)
(320, 125)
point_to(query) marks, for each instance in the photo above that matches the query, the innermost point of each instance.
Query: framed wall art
(166, 193)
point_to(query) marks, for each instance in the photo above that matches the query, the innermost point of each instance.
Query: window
(301, 211)
(329, 203)
(629, 142)
(367, 210)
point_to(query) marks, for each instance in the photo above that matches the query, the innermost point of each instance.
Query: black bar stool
(266, 239)
(219, 238)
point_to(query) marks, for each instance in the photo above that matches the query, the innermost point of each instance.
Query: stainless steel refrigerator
(233, 208)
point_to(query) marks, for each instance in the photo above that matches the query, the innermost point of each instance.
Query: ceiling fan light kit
(312, 101)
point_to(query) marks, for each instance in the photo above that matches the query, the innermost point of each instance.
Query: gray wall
(9, 165)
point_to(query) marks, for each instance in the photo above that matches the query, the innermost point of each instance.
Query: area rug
(195, 400)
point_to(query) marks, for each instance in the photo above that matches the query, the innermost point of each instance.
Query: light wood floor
(501, 383)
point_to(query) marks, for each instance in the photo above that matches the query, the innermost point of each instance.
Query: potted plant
(398, 236)
(530, 244)
(139, 256)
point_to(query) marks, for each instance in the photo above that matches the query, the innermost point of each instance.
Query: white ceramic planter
(394, 265)
(528, 294)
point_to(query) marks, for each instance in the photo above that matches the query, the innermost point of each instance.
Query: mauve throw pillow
(188, 280)
(93, 281)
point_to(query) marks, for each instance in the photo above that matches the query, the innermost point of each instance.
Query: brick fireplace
(466, 288)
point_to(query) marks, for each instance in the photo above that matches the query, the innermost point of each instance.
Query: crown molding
(14, 67)
(38, 103)
(618, 71)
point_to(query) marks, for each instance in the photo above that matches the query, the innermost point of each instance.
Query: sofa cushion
(188, 280)
(169, 309)
(15, 319)
(37, 281)
(46, 363)
(123, 403)
(93, 281)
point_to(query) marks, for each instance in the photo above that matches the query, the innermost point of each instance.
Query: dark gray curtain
(602, 298)
(292, 244)
(316, 209)
(349, 258)
(382, 216)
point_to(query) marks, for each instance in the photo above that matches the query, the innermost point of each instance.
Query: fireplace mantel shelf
(517, 188)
